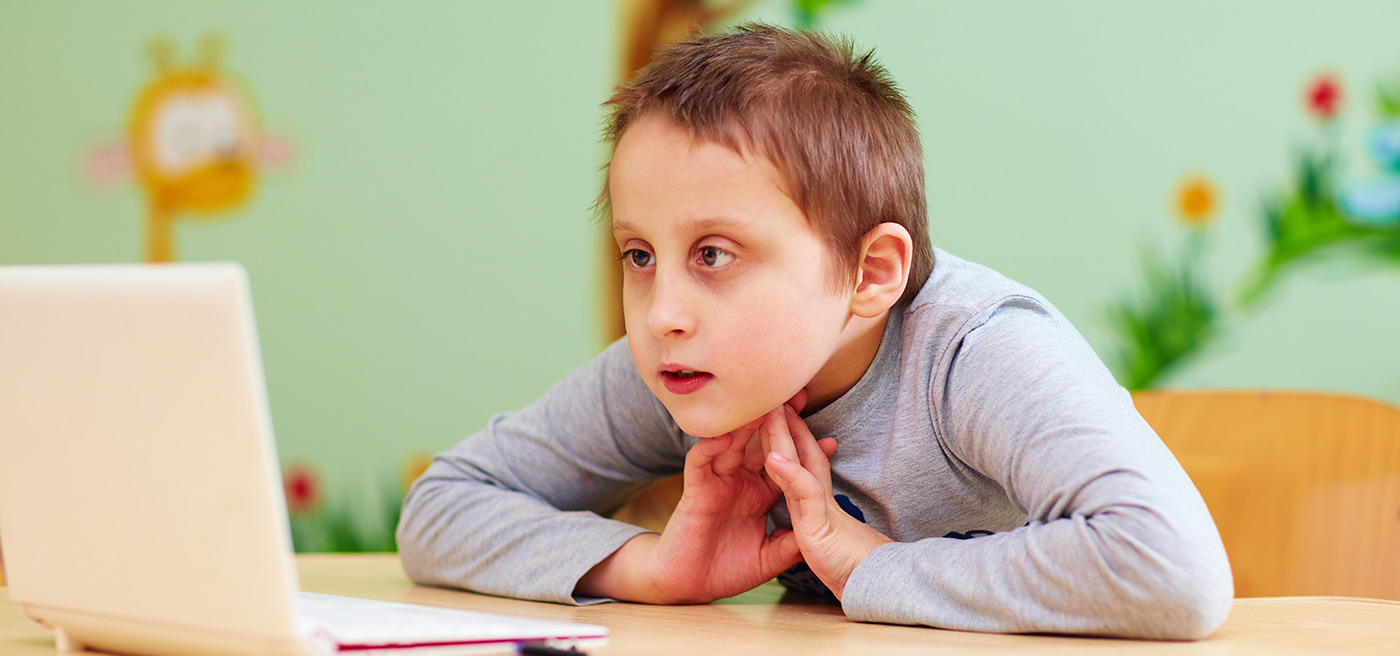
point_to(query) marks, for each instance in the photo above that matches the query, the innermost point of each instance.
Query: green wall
(427, 258)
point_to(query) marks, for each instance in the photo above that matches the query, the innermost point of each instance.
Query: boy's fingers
(706, 449)
(731, 458)
(806, 501)
(754, 454)
(780, 551)
(765, 437)
(775, 427)
(796, 483)
(747, 431)
(699, 460)
(828, 445)
(812, 457)
(759, 441)
(798, 400)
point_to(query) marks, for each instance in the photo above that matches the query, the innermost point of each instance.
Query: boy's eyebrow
(706, 224)
(622, 226)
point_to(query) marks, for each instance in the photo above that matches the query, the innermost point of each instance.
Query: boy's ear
(885, 255)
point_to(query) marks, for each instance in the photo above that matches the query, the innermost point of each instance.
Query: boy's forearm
(1055, 577)
(479, 537)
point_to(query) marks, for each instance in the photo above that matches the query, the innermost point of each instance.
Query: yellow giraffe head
(193, 141)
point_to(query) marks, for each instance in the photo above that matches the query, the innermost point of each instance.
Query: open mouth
(685, 381)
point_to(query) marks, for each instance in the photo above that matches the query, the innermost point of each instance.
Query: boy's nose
(669, 313)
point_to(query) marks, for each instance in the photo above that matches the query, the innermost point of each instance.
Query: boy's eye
(711, 256)
(637, 258)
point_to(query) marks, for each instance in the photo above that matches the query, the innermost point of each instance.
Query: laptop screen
(138, 476)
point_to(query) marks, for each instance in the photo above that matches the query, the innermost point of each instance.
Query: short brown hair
(832, 121)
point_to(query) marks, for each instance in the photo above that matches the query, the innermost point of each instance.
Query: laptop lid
(138, 476)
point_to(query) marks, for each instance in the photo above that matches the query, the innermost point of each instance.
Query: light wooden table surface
(763, 621)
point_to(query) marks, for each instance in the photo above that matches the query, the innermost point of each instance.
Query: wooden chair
(651, 508)
(1305, 488)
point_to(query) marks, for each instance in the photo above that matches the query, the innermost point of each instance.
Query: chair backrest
(1305, 488)
(652, 507)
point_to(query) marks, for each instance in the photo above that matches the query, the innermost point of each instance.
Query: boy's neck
(848, 364)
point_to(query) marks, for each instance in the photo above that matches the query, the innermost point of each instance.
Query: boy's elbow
(1191, 604)
(1207, 591)
(411, 550)
(1164, 614)
(1192, 615)
(414, 545)
(411, 562)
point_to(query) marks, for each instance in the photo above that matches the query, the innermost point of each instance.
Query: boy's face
(727, 293)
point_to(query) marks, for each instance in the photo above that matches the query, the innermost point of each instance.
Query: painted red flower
(302, 488)
(1324, 96)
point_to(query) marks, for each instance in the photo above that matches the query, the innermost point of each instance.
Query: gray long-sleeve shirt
(1022, 489)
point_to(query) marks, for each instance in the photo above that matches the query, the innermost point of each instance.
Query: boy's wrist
(837, 566)
(622, 575)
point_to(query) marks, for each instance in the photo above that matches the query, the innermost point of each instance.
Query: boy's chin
(709, 427)
(705, 431)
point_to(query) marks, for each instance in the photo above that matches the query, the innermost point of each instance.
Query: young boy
(851, 409)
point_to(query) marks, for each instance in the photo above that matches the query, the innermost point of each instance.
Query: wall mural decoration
(365, 523)
(1176, 314)
(194, 143)
(1376, 201)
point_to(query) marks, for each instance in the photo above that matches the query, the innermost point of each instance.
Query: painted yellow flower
(1196, 201)
(414, 468)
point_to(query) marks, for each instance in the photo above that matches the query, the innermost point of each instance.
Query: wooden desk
(757, 622)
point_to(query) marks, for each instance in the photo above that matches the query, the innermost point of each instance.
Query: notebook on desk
(141, 506)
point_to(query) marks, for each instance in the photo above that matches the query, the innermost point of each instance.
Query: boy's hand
(832, 541)
(716, 543)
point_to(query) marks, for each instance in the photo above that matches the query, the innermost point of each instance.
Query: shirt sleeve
(514, 509)
(1118, 541)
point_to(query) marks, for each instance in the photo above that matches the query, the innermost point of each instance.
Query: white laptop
(141, 508)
